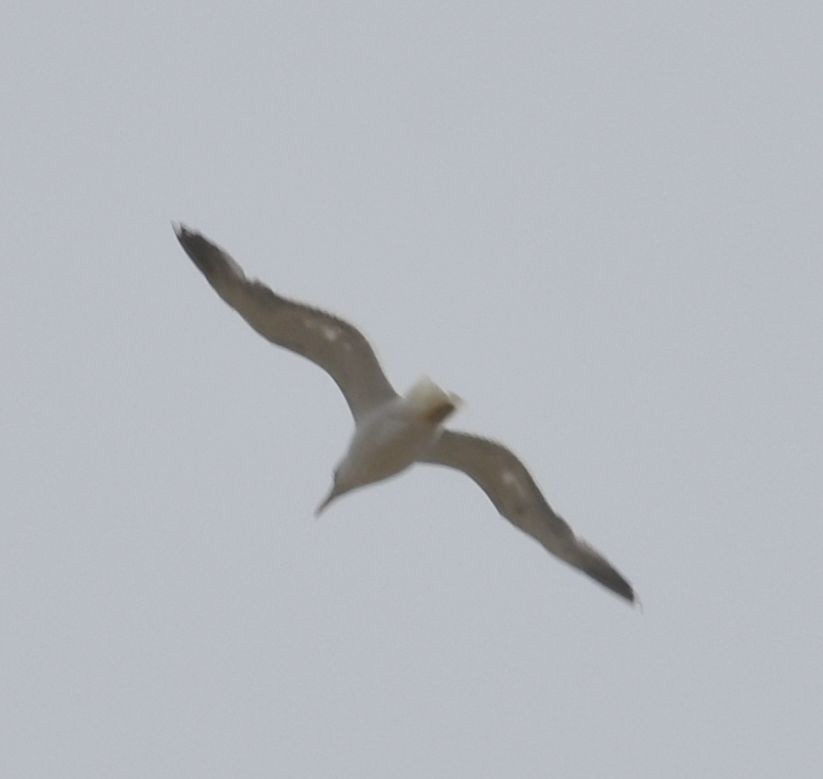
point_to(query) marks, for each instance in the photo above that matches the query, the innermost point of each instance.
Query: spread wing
(336, 346)
(515, 495)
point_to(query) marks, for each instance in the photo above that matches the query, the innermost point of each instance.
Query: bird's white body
(392, 436)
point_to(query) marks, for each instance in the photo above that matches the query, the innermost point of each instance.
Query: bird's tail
(432, 402)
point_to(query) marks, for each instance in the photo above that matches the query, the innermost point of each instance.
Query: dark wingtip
(625, 590)
(184, 234)
(203, 253)
(611, 579)
(603, 572)
(621, 587)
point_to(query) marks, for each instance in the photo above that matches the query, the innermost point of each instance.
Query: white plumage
(392, 431)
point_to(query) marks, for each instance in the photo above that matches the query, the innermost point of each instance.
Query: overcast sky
(599, 223)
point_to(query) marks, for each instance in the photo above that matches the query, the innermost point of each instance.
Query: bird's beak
(329, 498)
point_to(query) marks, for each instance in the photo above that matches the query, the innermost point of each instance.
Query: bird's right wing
(336, 346)
(515, 495)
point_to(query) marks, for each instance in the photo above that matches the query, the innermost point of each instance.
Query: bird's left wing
(336, 346)
(515, 495)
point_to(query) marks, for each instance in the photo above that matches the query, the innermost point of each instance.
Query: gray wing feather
(515, 495)
(336, 346)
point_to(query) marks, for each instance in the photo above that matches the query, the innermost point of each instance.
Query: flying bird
(392, 431)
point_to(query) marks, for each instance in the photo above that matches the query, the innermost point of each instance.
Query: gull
(392, 431)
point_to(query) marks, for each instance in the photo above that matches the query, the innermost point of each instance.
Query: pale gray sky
(599, 223)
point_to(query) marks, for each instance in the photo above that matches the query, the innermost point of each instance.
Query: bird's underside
(344, 353)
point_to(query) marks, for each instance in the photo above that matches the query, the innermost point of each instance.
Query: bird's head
(340, 486)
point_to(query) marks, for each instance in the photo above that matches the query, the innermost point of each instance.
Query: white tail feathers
(432, 402)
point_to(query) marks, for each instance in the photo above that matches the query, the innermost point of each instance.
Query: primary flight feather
(393, 431)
